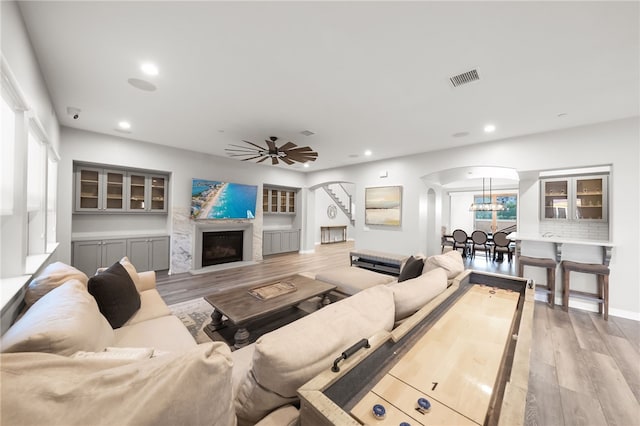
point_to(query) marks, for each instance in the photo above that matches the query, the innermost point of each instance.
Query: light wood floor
(584, 370)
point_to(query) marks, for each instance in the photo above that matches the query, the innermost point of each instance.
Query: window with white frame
(8, 132)
(36, 193)
(52, 198)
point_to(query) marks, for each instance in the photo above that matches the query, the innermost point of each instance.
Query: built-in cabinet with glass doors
(276, 200)
(111, 190)
(574, 198)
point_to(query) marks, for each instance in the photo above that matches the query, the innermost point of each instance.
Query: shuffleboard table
(463, 359)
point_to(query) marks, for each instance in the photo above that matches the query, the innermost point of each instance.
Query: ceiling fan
(289, 152)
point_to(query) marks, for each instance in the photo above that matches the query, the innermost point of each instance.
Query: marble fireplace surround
(186, 242)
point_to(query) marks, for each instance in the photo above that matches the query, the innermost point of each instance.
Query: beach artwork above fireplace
(212, 199)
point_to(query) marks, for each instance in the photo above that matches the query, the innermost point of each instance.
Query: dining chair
(480, 242)
(446, 241)
(460, 240)
(501, 245)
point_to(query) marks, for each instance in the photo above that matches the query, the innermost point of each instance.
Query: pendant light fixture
(486, 206)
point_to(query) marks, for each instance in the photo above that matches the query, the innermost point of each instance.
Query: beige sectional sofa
(163, 377)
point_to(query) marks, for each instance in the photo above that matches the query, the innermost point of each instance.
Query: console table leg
(241, 338)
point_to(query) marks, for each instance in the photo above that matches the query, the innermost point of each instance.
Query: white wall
(461, 217)
(613, 143)
(17, 50)
(79, 145)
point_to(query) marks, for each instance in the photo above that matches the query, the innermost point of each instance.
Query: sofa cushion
(288, 357)
(116, 294)
(450, 261)
(413, 294)
(351, 279)
(54, 275)
(192, 388)
(63, 321)
(151, 306)
(166, 333)
(411, 269)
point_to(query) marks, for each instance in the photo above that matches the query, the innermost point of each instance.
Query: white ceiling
(361, 75)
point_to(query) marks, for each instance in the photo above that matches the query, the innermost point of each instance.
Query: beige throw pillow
(54, 275)
(450, 261)
(413, 294)
(64, 321)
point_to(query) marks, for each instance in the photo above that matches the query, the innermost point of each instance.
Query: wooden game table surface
(463, 354)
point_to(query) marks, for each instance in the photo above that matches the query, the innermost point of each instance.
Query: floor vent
(464, 78)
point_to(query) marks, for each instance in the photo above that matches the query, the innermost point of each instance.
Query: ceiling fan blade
(287, 160)
(300, 150)
(301, 158)
(264, 157)
(271, 145)
(287, 146)
(257, 146)
(248, 151)
(274, 160)
(252, 158)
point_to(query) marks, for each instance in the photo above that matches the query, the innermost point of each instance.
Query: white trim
(589, 307)
(11, 88)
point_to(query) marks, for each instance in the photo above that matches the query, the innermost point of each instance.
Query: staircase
(342, 198)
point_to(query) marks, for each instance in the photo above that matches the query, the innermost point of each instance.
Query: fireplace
(222, 247)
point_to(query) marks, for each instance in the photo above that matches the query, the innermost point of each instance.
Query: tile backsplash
(577, 230)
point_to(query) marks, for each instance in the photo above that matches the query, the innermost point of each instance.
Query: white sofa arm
(147, 280)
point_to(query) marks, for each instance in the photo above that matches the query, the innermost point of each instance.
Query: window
(492, 221)
(7, 130)
(52, 198)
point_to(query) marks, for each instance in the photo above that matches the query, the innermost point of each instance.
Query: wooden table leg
(241, 338)
(215, 324)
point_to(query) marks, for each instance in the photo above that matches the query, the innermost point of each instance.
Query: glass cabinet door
(274, 201)
(136, 192)
(89, 194)
(590, 198)
(114, 199)
(265, 200)
(158, 193)
(556, 199)
(292, 202)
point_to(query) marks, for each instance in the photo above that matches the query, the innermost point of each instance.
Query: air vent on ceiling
(307, 132)
(464, 78)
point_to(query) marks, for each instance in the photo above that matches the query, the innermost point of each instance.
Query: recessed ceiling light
(124, 125)
(149, 69)
(489, 128)
(306, 165)
(368, 153)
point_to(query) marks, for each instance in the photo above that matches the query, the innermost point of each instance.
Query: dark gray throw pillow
(116, 294)
(412, 269)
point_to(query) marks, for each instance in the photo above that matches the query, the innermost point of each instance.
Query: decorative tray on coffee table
(269, 291)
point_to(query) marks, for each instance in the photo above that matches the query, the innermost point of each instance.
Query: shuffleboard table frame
(326, 399)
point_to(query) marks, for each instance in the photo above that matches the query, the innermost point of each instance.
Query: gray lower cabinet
(149, 254)
(88, 256)
(280, 241)
(146, 254)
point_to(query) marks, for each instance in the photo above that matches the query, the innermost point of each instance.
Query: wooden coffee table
(241, 307)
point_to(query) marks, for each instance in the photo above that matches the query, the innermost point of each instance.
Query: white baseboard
(591, 307)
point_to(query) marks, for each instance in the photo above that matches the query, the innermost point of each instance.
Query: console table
(333, 234)
(386, 263)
